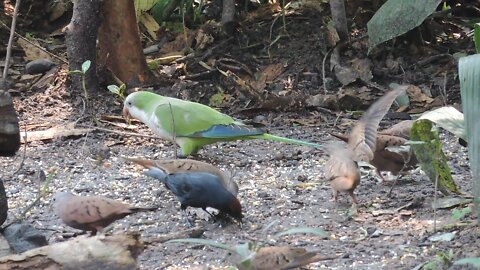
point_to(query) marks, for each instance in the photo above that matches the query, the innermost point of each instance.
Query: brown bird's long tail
(340, 136)
(144, 162)
(143, 209)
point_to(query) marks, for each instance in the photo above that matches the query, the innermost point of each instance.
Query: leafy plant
(458, 214)
(119, 91)
(441, 259)
(395, 18)
(473, 261)
(430, 155)
(469, 74)
(83, 72)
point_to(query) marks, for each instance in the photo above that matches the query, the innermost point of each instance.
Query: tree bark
(228, 16)
(81, 41)
(337, 7)
(99, 252)
(9, 129)
(119, 41)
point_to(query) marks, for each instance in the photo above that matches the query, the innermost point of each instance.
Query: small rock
(302, 178)
(39, 66)
(279, 156)
(260, 119)
(23, 237)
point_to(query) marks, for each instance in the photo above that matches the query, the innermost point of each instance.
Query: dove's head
(59, 198)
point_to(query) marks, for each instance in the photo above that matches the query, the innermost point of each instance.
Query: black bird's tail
(156, 173)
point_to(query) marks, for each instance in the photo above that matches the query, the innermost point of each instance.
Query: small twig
(24, 152)
(444, 90)
(119, 132)
(41, 193)
(323, 68)
(174, 132)
(10, 42)
(189, 233)
(34, 44)
(405, 162)
(339, 45)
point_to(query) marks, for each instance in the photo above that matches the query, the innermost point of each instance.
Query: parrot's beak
(126, 114)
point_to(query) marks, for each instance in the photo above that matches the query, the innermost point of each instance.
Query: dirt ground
(281, 186)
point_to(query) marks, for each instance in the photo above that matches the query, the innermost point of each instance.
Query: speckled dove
(387, 159)
(342, 169)
(91, 213)
(170, 166)
(275, 258)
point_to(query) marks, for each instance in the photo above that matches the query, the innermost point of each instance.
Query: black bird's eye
(129, 103)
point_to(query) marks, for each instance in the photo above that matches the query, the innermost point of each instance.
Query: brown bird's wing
(362, 139)
(401, 129)
(270, 258)
(389, 160)
(82, 211)
(170, 166)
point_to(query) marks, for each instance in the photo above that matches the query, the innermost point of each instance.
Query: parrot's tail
(267, 136)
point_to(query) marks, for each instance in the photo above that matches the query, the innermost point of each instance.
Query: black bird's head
(234, 209)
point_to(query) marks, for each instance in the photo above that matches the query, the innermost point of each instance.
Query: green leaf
(201, 242)
(449, 202)
(142, 6)
(444, 237)
(457, 214)
(469, 75)
(431, 157)
(86, 66)
(473, 261)
(114, 89)
(306, 230)
(449, 119)
(476, 37)
(158, 10)
(397, 17)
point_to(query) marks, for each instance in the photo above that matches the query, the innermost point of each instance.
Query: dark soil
(281, 186)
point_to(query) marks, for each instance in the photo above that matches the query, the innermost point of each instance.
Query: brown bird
(342, 169)
(170, 166)
(390, 155)
(91, 213)
(275, 258)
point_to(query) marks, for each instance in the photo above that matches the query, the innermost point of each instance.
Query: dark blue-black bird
(200, 190)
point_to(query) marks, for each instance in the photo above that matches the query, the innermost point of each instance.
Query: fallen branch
(99, 252)
(190, 233)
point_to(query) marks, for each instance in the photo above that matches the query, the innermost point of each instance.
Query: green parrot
(194, 125)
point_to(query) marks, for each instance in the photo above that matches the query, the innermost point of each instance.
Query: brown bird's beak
(126, 114)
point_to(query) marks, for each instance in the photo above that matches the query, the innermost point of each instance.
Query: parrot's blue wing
(228, 131)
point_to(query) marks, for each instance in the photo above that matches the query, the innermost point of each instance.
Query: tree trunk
(119, 41)
(337, 7)
(81, 41)
(99, 252)
(228, 16)
(9, 130)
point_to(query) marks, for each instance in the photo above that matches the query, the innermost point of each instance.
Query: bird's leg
(184, 212)
(212, 215)
(187, 220)
(354, 197)
(335, 195)
(382, 181)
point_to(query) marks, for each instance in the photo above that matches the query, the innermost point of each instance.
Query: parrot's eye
(129, 103)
